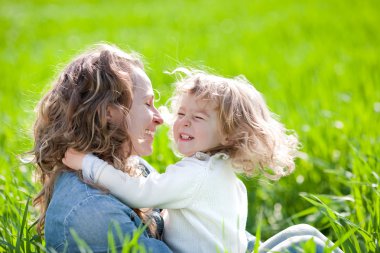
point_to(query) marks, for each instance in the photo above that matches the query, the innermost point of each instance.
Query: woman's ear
(113, 114)
(108, 114)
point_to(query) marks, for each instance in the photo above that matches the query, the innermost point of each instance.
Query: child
(222, 127)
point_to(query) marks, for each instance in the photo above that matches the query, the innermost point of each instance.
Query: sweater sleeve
(173, 189)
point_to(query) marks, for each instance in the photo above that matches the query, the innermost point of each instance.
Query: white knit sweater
(206, 203)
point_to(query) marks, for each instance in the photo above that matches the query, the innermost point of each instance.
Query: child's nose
(186, 121)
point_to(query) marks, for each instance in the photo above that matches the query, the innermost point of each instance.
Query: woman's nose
(157, 118)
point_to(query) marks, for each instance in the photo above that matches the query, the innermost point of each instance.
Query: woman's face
(143, 117)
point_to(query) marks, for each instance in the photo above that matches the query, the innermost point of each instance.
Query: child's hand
(73, 159)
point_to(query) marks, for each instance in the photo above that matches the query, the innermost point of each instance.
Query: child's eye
(180, 114)
(199, 117)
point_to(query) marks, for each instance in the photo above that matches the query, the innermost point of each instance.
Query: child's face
(196, 127)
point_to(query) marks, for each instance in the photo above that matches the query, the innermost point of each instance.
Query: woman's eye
(148, 104)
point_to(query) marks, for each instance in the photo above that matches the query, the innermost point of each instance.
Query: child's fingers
(71, 165)
(71, 151)
(73, 159)
(65, 162)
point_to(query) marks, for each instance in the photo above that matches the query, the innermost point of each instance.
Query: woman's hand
(73, 159)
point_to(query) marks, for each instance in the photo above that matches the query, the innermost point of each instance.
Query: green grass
(316, 62)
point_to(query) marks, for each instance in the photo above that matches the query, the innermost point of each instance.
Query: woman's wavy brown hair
(74, 114)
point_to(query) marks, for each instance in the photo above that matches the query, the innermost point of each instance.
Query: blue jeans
(288, 240)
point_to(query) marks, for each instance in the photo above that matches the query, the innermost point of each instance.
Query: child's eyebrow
(203, 111)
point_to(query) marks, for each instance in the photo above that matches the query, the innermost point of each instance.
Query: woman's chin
(144, 151)
(142, 147)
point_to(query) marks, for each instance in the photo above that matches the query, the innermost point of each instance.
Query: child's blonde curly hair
(257, 142)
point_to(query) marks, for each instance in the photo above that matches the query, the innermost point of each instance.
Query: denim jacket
(91, 213)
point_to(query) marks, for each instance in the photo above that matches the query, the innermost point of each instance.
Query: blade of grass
(19, 243)
(258, 233)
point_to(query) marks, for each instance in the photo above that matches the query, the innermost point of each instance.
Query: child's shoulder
(201, 160)
(192, 161)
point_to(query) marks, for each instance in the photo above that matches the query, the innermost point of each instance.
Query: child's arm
(173, 189)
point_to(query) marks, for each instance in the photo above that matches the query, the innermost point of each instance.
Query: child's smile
(185, 137)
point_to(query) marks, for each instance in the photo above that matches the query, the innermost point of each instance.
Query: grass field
(316, 62)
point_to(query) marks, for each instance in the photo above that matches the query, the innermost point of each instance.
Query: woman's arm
(173, 189)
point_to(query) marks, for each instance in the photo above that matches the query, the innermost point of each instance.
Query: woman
(102, 103)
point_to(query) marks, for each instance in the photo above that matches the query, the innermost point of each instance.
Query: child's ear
(225, 141)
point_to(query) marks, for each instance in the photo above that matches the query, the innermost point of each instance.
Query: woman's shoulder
(88, 211)
(91, 220)
(72, 196)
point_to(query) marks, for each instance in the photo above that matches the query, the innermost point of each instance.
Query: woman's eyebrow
(148, 96)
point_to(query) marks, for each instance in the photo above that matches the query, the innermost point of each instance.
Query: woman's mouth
(149, 133)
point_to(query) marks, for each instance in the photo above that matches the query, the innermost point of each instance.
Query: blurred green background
(316, 62)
